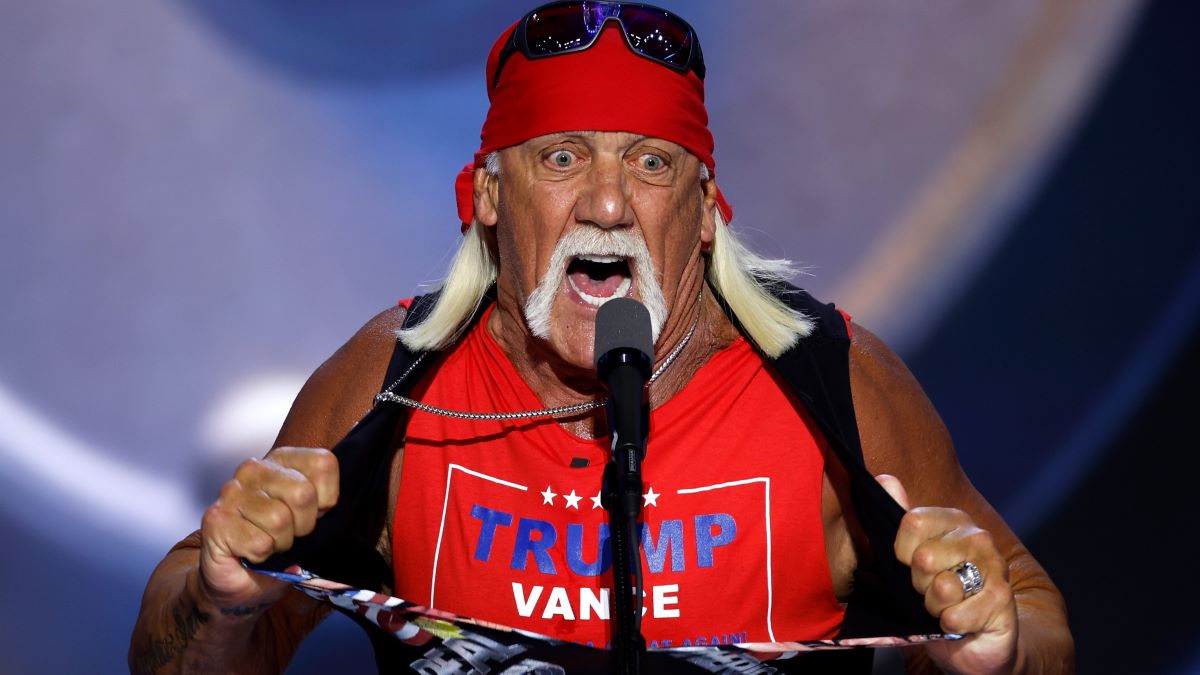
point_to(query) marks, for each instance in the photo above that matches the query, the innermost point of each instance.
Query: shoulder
(343, 388)
(901, 431)
(876, 370)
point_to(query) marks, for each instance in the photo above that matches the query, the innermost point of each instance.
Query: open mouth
(599, 278)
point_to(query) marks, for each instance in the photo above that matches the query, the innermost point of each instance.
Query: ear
(708, 220)
(487, 197)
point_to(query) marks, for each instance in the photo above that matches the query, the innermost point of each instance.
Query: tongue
(601, 287)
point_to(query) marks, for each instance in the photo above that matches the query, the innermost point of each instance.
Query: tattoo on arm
(165, 650)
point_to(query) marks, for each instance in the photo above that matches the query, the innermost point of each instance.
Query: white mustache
(591, 241)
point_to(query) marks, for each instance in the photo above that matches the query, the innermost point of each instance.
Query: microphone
(624, 352)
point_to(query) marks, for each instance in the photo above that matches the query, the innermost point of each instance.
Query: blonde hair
(472, 272)
(747, 282)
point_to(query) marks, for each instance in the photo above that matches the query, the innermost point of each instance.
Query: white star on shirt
(596, 501)
(548, 496)
(572, 500)
(651, 498)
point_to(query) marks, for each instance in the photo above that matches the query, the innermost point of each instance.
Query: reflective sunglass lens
(657, 36)
(554, 30)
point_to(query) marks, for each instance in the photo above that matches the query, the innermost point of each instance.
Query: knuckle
(947, 586)
(924, 558)
(230, 491)
(214, 517)
(981, 540)
(954, 514)
(303, 494)
(277, 518)
(324, 462)
(249, 470)
(916, 519)
(284, 456)
(258, 546)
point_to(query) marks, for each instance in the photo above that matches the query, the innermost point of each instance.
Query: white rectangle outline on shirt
(767, 507)
(437, 552)
(766, 481)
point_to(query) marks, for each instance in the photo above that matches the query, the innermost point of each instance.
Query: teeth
(600, 258)
(596, 301)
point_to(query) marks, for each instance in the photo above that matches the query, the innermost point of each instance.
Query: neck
(713, 332)
(559, 383)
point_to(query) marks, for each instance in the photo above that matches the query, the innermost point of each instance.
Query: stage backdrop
(200, 200)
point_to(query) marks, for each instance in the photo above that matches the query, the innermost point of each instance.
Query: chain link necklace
(390, 396)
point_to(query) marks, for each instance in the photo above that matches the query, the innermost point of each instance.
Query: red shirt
(492, 522)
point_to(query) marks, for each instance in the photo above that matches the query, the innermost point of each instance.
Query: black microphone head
(623, 323)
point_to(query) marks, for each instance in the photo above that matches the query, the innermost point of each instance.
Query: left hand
(933, 540)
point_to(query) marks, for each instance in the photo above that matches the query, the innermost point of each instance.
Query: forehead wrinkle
(631, 137)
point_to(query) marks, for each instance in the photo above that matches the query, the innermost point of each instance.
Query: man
(595, 180)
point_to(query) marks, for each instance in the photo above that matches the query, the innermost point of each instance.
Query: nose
(605, 199)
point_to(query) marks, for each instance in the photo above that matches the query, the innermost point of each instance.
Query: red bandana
(605, 88)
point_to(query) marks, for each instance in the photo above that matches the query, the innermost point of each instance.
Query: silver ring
(969, 576)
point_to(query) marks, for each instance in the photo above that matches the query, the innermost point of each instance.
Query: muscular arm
(180, 627)
(903, 435)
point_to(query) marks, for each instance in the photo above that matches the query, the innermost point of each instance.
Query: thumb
(894, 488)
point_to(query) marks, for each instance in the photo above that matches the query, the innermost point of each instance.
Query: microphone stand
(628, 420)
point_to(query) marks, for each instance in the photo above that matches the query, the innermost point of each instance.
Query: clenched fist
(933, 541)
(260, 511)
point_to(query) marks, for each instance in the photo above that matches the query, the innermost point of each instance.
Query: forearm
(179, 630)
(1044, 643)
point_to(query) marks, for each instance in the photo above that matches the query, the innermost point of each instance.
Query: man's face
(583, 217)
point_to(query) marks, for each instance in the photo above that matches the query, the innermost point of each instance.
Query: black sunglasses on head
(574, 26)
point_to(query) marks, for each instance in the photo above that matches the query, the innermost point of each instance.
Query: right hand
(260, 511)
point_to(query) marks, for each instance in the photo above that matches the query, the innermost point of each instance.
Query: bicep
(903, 435)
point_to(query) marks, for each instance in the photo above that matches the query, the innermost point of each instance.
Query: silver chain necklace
(390, 396)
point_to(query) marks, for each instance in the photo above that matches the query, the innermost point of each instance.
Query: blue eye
(652, 162)
(562, 158)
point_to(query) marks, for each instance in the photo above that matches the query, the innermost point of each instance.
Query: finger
(935, 563)
(945, 590)
(895, 488)
(991, 609)
(226, 539)
(270, 515)
(227, 536)
(256, 478)
(250, 541)
(922, 529)
(318, 465)
(299, 494)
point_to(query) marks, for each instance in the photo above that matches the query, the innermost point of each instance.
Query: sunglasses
(574, 26)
